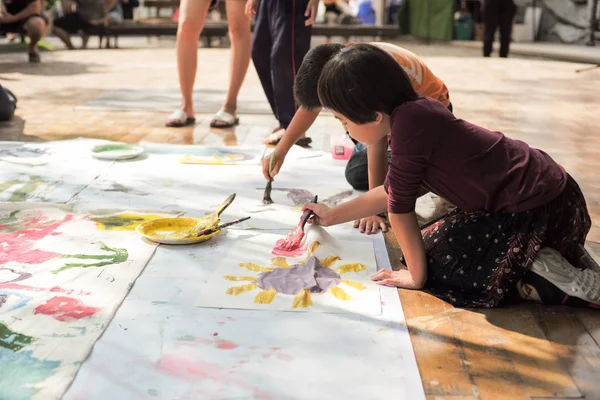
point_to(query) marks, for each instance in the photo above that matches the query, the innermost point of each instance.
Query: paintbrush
(225, 225)
(267, 196)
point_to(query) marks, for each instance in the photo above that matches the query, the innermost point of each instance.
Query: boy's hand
(311, 12)
(324, 215)
(370, 225)
(251, 8)
(277, 163)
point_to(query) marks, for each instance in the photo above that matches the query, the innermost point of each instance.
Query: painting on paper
(286, 209)
(212, 155)
(324, 275)
(22, 153)
(62, 277)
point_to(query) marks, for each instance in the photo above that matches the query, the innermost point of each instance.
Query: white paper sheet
(257, 250)
(160, 346)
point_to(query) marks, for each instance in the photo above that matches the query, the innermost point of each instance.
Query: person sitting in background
(24, 16)
(128, 6)
(87, 14)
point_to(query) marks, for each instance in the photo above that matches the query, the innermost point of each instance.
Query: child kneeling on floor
(513, 201)
(367, 167)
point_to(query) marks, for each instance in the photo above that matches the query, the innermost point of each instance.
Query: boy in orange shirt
(367, 166)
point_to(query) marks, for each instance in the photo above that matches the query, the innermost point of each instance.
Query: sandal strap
(178, 115)
(224, 116)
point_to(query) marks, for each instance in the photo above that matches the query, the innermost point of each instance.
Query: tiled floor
(514, 353)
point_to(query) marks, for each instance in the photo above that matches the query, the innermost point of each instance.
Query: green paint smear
(20, 372)
(186, 338)
(11, 218)
(12, 340)
(111, 147)
(153, 392)
(25, 191)
(157, 303)
(118, 256)
(117, 221)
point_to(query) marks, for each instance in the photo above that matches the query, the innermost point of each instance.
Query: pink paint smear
(65, 309)
(54, 289)
(19, 246)
(193, 370)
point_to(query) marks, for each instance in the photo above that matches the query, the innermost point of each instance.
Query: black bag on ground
(8, 104)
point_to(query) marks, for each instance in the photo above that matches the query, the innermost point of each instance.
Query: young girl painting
(513, 201)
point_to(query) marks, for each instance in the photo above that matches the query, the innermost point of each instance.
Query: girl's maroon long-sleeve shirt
(470, 166)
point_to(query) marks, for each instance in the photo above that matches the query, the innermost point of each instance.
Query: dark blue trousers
(279, 43)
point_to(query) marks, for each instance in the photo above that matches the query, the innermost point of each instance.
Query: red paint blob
(65, 309)
(215, 333)
(292, 241)
(19, 246)
(226, 345)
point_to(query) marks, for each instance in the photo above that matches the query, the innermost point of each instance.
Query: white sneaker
(583, 284)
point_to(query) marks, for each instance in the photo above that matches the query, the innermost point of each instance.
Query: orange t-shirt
(425, 83)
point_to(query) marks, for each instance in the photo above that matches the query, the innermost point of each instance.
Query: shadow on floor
(45, 68)
(13, 131)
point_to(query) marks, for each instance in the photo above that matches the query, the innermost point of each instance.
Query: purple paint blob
(312, 276)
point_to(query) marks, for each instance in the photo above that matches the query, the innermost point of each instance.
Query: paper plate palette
(117, 151)
(173, 231)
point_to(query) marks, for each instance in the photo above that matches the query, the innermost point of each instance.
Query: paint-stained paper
(239, 281)
(62, 276)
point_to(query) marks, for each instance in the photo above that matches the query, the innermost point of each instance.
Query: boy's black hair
(305, 86)
(362, 80)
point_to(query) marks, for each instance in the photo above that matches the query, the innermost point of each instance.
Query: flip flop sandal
(223, 119)
(304, 142)
(179, 119)
(34, 58)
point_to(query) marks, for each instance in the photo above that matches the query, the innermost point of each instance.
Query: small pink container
(341, 147)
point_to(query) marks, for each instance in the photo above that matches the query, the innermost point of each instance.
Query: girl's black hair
(362, 80)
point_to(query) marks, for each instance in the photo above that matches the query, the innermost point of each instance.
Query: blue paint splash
(22, 302)
(20, 371)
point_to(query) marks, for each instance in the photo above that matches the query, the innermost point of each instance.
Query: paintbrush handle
(225, 225)
(307, 214)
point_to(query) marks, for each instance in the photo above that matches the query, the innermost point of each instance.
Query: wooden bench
(162, 27)
(158, 27)
(158, 5)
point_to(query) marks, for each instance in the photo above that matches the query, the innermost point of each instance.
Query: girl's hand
(251, 8)
(371, 225)
(324, 215)
(401, 279)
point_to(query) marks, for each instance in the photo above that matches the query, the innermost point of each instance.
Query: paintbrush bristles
(267, 196)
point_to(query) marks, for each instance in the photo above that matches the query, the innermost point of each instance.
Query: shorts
(72, 23)
(19, 26)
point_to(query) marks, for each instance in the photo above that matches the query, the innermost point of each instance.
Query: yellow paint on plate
(344, 269)
(235, 290)
(123, 222)
(175, 230)
(265, 296)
